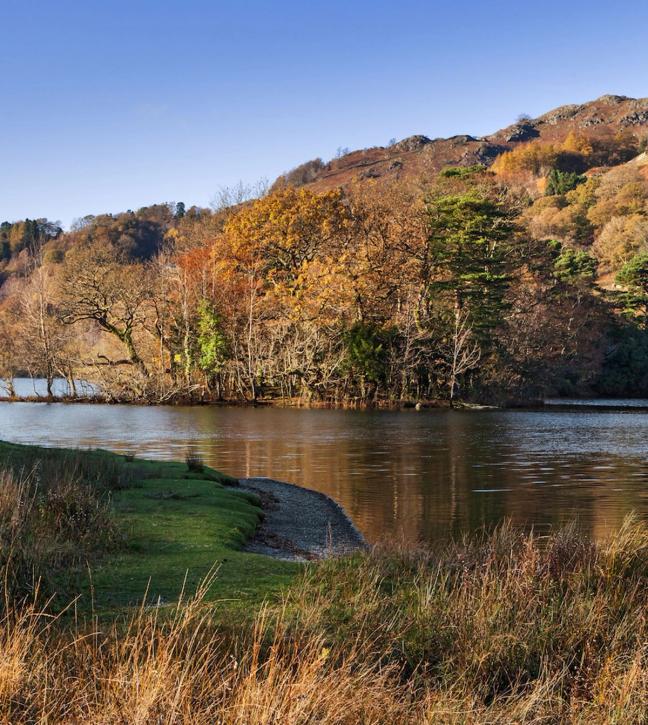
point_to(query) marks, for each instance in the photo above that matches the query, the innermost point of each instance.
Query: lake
(414, 475)
(37, 387)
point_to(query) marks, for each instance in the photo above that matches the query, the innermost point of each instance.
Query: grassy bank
(499, 628)
(113, 528)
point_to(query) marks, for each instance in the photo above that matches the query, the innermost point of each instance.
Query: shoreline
(555, 405)
(289, 403)
(300, 524)
(236, 403)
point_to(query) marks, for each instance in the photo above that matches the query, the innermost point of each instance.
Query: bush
(560, 182)
(195, 463)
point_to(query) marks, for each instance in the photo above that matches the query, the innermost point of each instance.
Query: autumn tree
(95, 287)
(269, 252)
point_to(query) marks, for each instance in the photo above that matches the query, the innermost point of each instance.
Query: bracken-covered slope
(419, 156)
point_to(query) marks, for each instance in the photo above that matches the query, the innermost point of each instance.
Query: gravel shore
(300, 524)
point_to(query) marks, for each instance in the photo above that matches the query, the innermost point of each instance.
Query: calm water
(418, 475)
(29, 387)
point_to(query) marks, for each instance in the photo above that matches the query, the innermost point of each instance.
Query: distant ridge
(418, 155)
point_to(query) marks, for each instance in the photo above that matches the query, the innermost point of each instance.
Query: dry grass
(499, 629)
(51, 519)
(185, 670)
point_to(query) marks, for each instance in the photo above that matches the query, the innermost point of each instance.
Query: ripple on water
(425, 476)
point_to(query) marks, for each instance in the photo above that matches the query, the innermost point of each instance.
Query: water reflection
(415, 475)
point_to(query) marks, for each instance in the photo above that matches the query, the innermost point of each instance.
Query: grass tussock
(195, 463)
(503, 628)
(55, 516)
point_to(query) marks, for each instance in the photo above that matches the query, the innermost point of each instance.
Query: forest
(496, 283)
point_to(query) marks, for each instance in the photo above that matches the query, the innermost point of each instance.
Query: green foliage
(212, 342)
(575, 266)
(468, 242)
(560, 182)
(634, 277)
(366, 351)
(461, 172)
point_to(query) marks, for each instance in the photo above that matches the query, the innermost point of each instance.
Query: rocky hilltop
(605, 118)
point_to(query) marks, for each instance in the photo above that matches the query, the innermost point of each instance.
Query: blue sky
(109, 105)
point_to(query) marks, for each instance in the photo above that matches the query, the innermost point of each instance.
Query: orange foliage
(577, 143)
(532, 158)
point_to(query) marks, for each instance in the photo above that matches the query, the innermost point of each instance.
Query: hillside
(602, 120)
(494, 269)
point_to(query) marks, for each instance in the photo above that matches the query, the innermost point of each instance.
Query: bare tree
(116, 297)
(8, 354)
(230, 197)
(42, 340)
(461, 352)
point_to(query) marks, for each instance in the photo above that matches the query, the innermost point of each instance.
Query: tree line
(475, 284)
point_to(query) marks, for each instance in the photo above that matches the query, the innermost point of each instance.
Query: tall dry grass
(52, 519)
(503, 628)
(186, 669)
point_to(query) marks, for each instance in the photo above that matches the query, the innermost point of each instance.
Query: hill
(607, 120)
(493, 269)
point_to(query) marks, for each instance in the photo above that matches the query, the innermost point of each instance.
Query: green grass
(180, 524)
(176, 525)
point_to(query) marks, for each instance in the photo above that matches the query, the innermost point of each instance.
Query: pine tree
(468, 242)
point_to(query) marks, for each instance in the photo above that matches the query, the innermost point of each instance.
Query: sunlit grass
(110, 528)
(499, 629)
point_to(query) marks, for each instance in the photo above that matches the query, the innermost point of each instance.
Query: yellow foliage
(620, 239)
(285, 229)
(531, 158)
(620, 192)
(537, 158)
(584, 194)
(577, 143)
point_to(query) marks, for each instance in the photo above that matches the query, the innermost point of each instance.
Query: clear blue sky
(109, 105)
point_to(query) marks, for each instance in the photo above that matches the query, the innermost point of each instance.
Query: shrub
(195, 463)
(560, 182)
